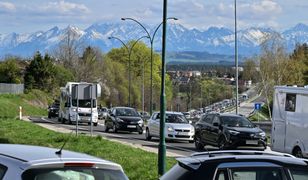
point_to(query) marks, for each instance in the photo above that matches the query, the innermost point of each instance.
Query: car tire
(222, 143)
(114, 128)
(147, 135)
(297, 152)
(198, 145)
(95, 124)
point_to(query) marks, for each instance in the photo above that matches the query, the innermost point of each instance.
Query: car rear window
(73, 173)
(299, 174)
(2, 171)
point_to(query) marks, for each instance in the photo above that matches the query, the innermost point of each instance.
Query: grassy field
(34, 103)
(137, 164)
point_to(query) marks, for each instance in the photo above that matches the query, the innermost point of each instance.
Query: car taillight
(78, 164)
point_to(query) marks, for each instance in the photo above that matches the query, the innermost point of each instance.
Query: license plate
(251, 142)
(131, 126)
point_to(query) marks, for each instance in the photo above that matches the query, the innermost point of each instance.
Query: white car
(19, 162)
(176, 128)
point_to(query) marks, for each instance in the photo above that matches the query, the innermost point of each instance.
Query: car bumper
(252, 142)
(180, 136)
(129, 127)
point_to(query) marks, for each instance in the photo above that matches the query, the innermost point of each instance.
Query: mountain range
(214, 42)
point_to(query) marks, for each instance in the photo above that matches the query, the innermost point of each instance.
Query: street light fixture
(129, 52)
(151, 44)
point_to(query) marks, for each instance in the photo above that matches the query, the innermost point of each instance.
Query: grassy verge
(137, 164)
(33, 103)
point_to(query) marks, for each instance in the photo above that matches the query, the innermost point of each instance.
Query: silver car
(176, 128)
(25, 162)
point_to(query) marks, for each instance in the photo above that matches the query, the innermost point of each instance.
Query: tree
(10, 72)
(40, 73)
(250, 70)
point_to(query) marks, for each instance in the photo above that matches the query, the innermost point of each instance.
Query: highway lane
(174, 148)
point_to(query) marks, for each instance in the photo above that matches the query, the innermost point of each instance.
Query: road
(173, 148)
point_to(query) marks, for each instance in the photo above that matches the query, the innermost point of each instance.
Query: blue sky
(32, 15)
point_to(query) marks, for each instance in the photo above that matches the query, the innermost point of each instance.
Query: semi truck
(78, 101)
(290, 120)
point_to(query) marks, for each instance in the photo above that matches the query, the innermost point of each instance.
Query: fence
(11, 88)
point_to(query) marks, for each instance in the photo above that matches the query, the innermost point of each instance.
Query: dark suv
(238, 165)
(124, 118)
(53, 110)
(227, 131)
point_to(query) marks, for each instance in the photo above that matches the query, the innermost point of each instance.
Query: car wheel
(114, 128)
(297, 152)
(198, 144)
(147, 135)
(222, 143)
(95, 124)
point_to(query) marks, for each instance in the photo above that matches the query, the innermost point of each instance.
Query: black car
(227, 131)
(124, 118)
(53, 110)
(238, 165)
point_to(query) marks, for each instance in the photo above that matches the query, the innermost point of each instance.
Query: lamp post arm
(155, 31)
(132, 19)
(131, 48)
(112, 37)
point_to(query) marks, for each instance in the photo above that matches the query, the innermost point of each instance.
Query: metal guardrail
(11, 88)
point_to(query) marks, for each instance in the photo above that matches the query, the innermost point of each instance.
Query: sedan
(176, 128)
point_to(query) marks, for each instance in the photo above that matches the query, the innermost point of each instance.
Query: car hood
(129, 118)
(179, 126)
(246, 129)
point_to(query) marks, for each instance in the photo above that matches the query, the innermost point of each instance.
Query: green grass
(34, 103)
(137, 163)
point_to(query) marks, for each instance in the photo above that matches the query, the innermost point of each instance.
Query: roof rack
(240, 152)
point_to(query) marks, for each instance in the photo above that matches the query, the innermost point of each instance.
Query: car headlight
(170, 129)
(233, 132)
(119, 120)
(262, 134)
(140, 121)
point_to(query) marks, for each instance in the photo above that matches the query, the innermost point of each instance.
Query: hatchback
(25, 162)
(176, 128)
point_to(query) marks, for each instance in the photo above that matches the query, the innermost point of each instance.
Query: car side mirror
(216, 124)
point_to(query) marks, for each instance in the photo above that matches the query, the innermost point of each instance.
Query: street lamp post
(129, 51)
(151, 44)
(236, 56)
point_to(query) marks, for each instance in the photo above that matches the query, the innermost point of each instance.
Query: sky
(26, 16)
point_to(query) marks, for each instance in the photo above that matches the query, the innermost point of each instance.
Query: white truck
(82, 110)
(290, 120)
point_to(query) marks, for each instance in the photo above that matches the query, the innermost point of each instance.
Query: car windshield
(86, 103)
(126, 112)
(175, 118)
(234, 121)
(74, 173)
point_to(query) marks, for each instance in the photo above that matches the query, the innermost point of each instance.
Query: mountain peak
(300, 27)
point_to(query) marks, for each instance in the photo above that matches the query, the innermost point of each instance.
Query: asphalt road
(174, 148)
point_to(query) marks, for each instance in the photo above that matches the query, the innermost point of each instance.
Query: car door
(155, 125)
(206, 128)
(215, 130)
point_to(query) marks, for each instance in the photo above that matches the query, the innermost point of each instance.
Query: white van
(290, 120)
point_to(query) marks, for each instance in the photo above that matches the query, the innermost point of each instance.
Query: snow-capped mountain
(179, 38)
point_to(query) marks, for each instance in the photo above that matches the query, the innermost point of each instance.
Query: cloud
(65, 8)
(7, 7)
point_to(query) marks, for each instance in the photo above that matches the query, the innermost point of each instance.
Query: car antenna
(60, 151)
